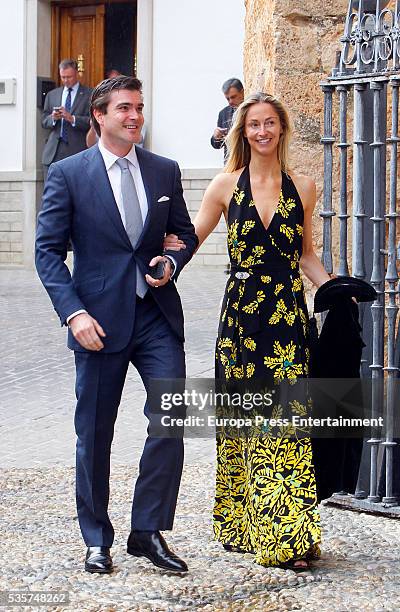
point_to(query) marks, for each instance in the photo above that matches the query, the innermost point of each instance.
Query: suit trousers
(63, 151)
(156, 352)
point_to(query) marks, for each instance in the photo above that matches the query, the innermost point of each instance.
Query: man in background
(66, 116)
(234, 93)
(113, 72)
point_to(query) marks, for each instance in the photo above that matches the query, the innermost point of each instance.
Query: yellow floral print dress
(266, 500)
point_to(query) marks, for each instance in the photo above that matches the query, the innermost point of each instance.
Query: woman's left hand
(172, 243)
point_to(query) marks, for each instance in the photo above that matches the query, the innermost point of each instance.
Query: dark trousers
(63, 151)
(156, 352)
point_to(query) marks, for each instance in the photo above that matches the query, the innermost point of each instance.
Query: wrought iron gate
(365, 87)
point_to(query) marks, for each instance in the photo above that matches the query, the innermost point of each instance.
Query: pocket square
(163, 199)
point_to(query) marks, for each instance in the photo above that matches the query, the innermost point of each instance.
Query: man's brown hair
(101, 94)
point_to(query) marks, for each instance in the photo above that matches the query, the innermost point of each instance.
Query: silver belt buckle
(242, 275)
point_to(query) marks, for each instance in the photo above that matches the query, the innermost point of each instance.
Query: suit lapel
(147, 172)
(79, 95)
(56, 100)
(97, 173)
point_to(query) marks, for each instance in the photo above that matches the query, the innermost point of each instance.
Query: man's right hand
(220, 133)
(87, 332)
(56, 115)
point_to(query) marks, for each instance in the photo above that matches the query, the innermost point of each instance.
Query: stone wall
(290, 48)
(11, 223)
(260, 45)
(213, 250)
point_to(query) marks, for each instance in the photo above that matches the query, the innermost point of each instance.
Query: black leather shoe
(151, 544)
(98, 560)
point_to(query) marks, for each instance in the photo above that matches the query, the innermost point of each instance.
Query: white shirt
(64, 99)
(73, 94)
(114, 175)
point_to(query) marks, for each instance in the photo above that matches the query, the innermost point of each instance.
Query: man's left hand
(159, 282)
(66, 115)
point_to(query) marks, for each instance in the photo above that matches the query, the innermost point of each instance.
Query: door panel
(81, 37)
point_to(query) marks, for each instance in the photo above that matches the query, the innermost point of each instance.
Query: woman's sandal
(230, 548)
(304, 567)
(313, 553)
(236, 549)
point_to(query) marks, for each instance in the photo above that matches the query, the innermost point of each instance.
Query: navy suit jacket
(79, 205)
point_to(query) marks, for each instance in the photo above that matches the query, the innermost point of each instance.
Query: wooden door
(78, 33)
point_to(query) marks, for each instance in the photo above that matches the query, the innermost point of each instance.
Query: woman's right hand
(172, 243)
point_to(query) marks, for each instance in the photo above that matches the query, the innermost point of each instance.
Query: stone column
(145, 58)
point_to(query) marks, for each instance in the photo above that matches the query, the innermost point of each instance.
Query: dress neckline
(266, 229)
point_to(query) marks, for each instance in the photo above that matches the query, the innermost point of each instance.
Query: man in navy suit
(115, 202)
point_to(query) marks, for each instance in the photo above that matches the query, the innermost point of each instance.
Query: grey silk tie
(133, 216)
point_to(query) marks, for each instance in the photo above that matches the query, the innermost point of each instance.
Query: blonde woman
(266, 500)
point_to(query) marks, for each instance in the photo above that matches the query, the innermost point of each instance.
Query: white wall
(12, 36)
(197, 46)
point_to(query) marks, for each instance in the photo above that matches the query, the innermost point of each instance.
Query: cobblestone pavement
(40, 544)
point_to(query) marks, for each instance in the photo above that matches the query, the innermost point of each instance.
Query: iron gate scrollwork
(368, 72)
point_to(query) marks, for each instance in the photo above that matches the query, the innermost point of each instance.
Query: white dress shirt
(114, 175)
(64, 99)
(73, 94)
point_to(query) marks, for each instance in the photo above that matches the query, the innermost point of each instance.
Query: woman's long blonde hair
(238, 147)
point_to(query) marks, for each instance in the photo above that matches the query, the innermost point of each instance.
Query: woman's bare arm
(309, 262)
(215, 203)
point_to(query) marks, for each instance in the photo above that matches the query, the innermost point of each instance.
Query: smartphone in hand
(158, 270)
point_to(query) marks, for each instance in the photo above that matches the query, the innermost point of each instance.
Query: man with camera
(66, 115)
(234, 93)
